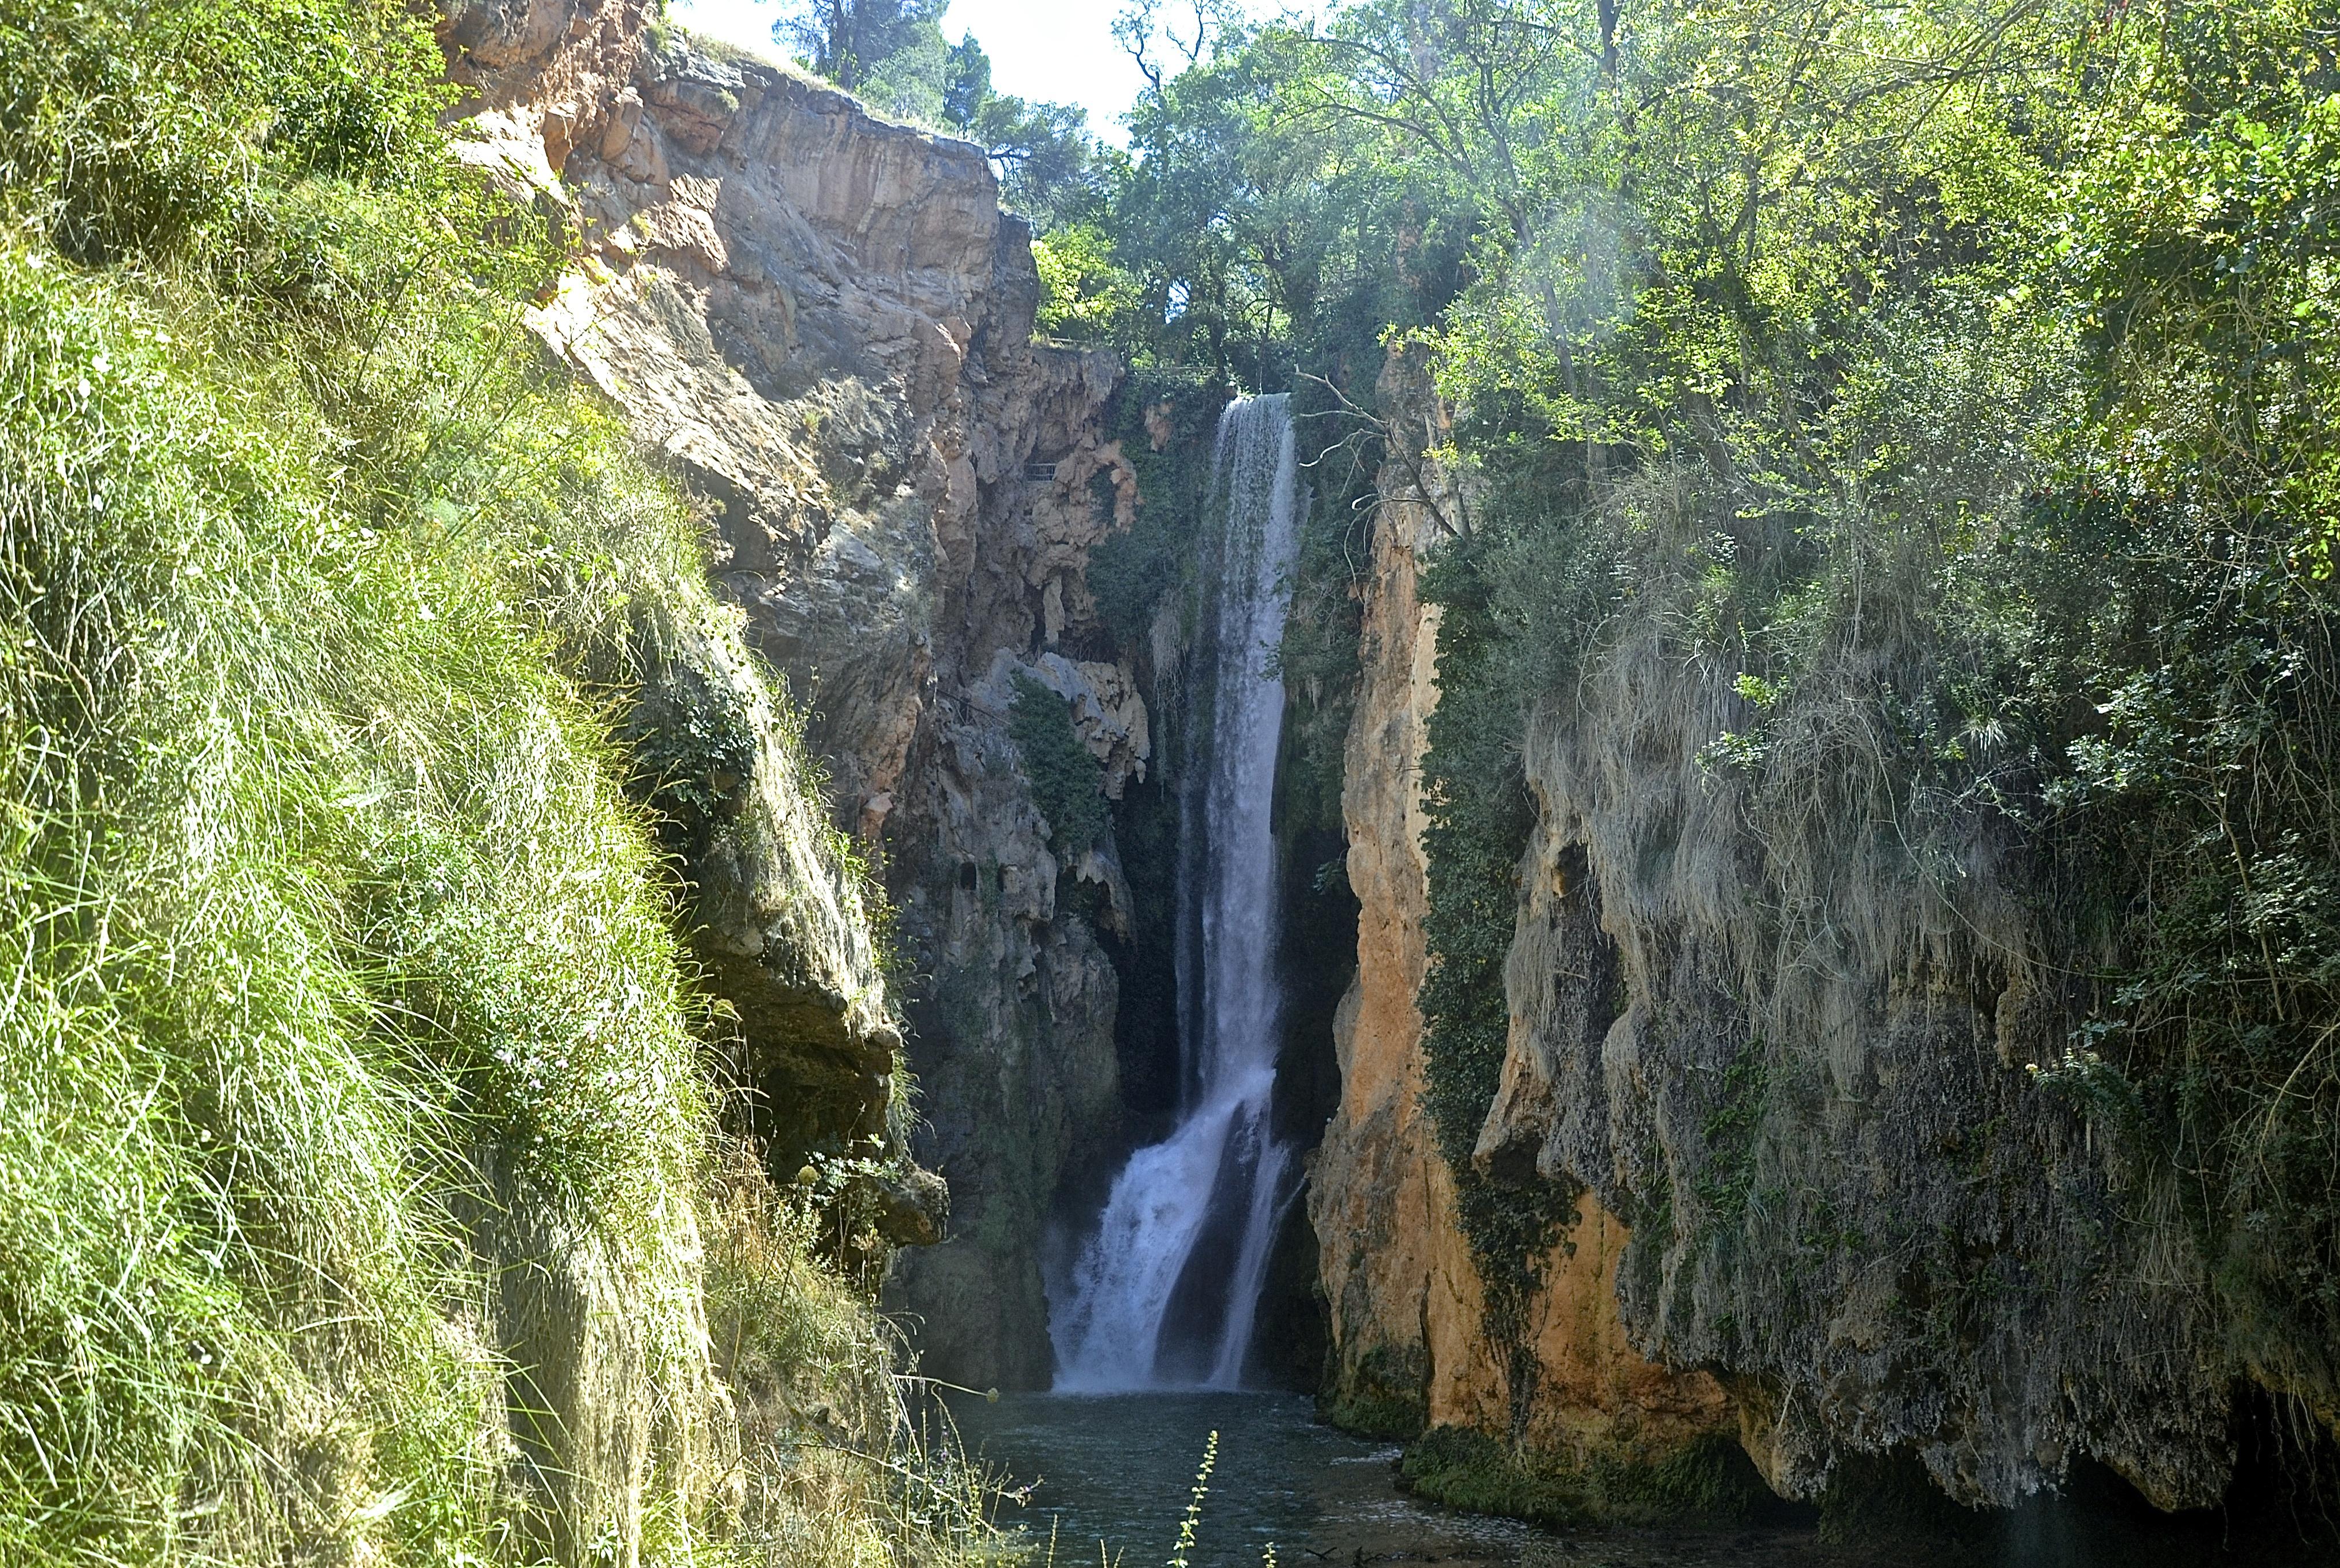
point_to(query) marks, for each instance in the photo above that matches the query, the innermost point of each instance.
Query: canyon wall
(1408, 1302)
(1811, 1103)
(824, 321)
(1782, 1096)
(1826, 1089)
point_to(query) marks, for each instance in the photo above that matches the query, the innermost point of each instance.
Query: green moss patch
(1709, 1481)
(1067, 780)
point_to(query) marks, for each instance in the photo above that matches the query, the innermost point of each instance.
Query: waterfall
(1166, 1292)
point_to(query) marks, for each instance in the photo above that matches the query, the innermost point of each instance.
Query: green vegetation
(357, 1148)
(1992, 450)
(1479, 818)
(891, 52)
(1193, 1518)
(1948, 392)
(1729, 1134)
(1133, 574)
(1257, 239)
(1066, 780)
(1710, 1482)
(1083, 296)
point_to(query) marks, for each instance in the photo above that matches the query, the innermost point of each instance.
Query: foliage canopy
(1956, 382)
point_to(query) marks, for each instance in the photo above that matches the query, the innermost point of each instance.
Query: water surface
(1119, 1468)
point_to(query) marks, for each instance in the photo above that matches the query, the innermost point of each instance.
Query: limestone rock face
(825, 322)
(1814, 1075)
(1407, 1301)
(1396, 1273)
(1797, 1093)
(1015, 1047)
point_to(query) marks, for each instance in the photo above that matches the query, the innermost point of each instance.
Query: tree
(890, 53)
(1045, 155)
(1194, 30)
(1232, 212)
(966, 82)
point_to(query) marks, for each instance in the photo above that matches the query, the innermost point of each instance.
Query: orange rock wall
(1405, 1297)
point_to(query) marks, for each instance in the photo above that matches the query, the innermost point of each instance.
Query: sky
(1060, 51)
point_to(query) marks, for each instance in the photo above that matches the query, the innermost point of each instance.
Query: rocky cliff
(1823, 1087)
(1803, 1151)
(1409, 1304)
(824, 320)
(1832, 1176)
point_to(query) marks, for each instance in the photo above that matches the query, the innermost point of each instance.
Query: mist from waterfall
(1166, 1292)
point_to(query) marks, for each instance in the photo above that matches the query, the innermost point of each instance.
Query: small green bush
(1067, 780)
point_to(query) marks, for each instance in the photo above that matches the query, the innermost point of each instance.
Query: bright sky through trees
(1045, 51)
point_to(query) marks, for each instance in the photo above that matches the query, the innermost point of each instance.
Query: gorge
(1598, 739)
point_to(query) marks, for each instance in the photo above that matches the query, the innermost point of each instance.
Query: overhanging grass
(325, 884)
(342, 1026)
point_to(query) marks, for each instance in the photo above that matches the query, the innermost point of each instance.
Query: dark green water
(1119, 1468)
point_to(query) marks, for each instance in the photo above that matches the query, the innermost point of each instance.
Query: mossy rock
(1374, 1413)
(1709, 1481)
(1465, 1469)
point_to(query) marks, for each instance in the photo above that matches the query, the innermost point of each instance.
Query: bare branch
(1395, 449)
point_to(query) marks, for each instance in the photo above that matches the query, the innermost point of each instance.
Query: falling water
(1166, 1290)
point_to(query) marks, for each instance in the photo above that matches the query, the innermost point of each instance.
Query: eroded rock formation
(1817, 1081)
(1812, 1104)
(1412, 1344)
(824, 320)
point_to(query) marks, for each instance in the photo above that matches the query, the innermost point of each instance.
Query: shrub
(1067, 780)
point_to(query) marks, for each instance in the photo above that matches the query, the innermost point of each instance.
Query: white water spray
(1221, 1181)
